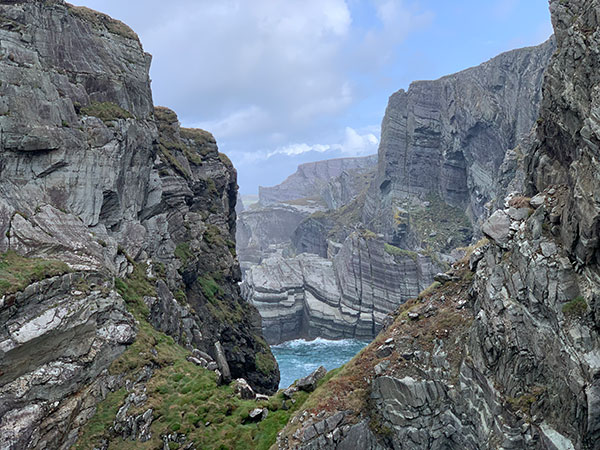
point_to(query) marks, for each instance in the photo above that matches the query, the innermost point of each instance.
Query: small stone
(413, 315)
(198, 362)
(548, 249)
(289, 392)
(537, 200)
(262, 397)
(258, 414)
(442, 278)
(243, 390)
(384, 351)
(381, 368)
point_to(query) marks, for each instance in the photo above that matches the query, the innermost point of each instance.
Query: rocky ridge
(316, 179)
(107, 210)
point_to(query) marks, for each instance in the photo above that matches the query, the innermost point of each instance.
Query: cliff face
(504, 354)
(347, 296)
(449, 137)
(444, 159)
(311, 178)
(96, 184)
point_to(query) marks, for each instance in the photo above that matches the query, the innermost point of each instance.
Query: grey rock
(497, 227)
(537, 200)
(309, 296)
(450, 122)
(310, 179)
(309, 382)
(222, 363)
(243, 390)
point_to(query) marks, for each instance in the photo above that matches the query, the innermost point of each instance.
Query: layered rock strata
(348, 297)
(449, 137)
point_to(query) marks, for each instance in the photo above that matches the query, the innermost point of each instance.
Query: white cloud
(352, 143)
(398, 19)
(355, 144)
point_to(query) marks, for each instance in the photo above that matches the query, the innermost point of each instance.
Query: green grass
(183, 396)
(265, 363)
(17, 272)
(210, 288)
(576, 308)
(396, 251)
(106, 111)
(183, 252)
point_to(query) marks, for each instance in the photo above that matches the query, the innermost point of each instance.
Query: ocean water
(299, 358)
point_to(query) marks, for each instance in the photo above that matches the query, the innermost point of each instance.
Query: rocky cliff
(347, 296)
(449, 149)
(312, 178)
(448, 139)
(117, 232)
(506, 352)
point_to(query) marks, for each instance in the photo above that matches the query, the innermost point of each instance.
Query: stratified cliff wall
(506, 352)
(112, 218)
(347, 296)
(448, 138)
(450, 148)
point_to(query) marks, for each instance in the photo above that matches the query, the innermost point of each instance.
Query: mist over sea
(298, 358)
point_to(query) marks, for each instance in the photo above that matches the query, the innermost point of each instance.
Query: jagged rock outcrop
(95, 184)
(449, 137)
(348, 297)
(506, 353)
(312, 178)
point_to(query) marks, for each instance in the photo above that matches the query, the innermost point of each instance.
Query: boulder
(309, 382)
(497, 228)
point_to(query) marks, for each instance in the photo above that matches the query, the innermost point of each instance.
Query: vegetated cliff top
(101, 20)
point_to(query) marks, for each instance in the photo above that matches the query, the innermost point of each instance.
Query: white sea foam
(300, 357)
(318, 342)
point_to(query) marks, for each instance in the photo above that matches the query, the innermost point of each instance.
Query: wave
(319, 342)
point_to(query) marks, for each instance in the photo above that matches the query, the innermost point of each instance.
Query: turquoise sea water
(298, 358)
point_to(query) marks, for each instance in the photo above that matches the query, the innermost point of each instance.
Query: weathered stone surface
(309, 296)
(497, 227)
(243, 390)
(309, 382)
(312, 178)
(450, 136)
(96, 177)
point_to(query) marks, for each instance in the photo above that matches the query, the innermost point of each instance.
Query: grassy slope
(184, 397)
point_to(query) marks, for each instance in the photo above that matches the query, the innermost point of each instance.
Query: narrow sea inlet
(299, 358)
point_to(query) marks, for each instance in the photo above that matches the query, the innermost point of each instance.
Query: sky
(282, 82)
